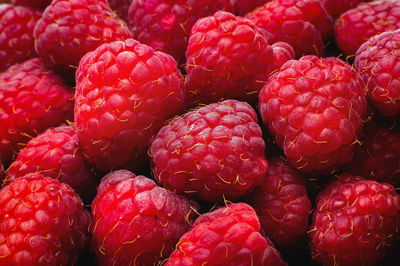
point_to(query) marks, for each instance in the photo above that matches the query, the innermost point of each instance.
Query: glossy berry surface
(355, 222)
(125, 91)
(377, 62)
(213, 152)
(135, 221)
(16, 40)
(314, 108)
(43, 222)
(56, 154)
(227, 236)
(32, 99)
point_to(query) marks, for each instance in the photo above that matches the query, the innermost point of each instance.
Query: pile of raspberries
(200, 132)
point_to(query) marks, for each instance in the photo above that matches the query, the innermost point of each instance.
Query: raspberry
(282, 204)
(165, 24)
(337, 7)
(70, 28)
(124, 93)
(32, 3)
(227, 236)
(32, 99)
(121, 7)
(43, 222)
(136, 222)
(357, 25)
(314, 107)
(355, 222)
(302, 24)
(16, 28)
(377, 62)
(56, 154)
(378, 155)
(229, 57)
(213, 152)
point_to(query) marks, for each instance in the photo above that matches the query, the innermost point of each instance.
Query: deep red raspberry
(229, 57)
(355, 222)
(242, 7)
(43, 222)
(165, 24)
(227, 236)
(337, 7)
(56, 154)
(377, 62)
(70, 28)
(124, 93)
(302, 24)
(121, 7)
(16, 28)
(32, 3)
(32, 99)
(357, 25)
(281, 203)
(378, 155)
(314, 107)
(135, 222)
(213, 152)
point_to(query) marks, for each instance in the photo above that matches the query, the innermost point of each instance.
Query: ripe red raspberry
(16, 28)
(282, 204)
(32, 99)
(227, 236)
(377, 62)
(56, 154)
(124, 93)
(229, 57)
(355, 222)
(43, 222)
(337, 7)
(165, 24)
(136, 222)
(213, 152)
(357, 25)
(378, 155)
(121, 7)
(302, 24)
(242, 7)
(70, 28)
(314, 107)
(32, 3)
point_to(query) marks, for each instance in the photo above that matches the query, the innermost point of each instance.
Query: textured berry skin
(377, 62)
(213, 152)
(43, 222)
(241, 7)
(302, 24)
(124, 93)
(121, 7)
(281, 203)
(56, 154)
(227, 236)
(228, 57)
(355, 222)
(32, 3)
(32, 99)
(337, 7)
(135, 221)
(314, 107)
(69, 29)
(16, 27)
(165, 24)
(357, 25)
(378, 155)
